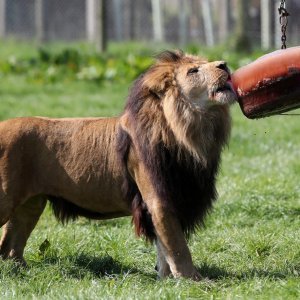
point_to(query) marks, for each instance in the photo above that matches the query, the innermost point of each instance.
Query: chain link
(283, 20)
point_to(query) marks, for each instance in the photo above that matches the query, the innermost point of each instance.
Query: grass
(22, 98)
(248, 250)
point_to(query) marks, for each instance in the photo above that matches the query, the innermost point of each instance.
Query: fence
(177, 21)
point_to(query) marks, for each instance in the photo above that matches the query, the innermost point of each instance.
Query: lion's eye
(193, 70)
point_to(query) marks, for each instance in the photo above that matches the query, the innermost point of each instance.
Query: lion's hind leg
(18, 228)
(162, 266)
(4, 214)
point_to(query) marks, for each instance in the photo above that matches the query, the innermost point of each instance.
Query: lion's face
(205, 83)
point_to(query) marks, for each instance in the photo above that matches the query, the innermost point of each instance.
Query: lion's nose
(223, 66)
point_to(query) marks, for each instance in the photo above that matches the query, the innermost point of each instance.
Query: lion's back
(81, 152)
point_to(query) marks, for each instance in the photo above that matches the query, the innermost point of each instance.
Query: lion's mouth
(225, 93)
(224, 88)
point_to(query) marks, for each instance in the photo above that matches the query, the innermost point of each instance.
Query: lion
(157, 161)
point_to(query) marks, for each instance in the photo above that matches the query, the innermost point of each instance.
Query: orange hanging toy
(271, 84)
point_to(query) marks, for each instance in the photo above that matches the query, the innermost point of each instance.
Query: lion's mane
(179, 145)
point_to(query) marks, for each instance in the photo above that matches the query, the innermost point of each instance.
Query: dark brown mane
(170, 56)
(185, 184)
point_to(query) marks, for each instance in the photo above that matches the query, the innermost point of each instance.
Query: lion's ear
(159, 79)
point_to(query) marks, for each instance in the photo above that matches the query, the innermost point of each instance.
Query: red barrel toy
(270, 85)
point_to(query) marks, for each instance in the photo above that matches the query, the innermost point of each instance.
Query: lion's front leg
(173, 244)
(170, 236)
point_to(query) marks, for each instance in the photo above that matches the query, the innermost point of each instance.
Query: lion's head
(199, 82)
(183, 100)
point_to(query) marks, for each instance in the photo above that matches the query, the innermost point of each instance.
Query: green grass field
(248, 250)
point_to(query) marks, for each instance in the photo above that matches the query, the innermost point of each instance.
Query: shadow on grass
(213, 273)
(105, 266)
(102, 266)
(85, 265)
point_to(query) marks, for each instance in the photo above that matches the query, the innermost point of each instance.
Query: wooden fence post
(182, 22)
(265, 8)
(90, 19)
(2, 18)
(132, 19)
(242, 42)
(101, 42)
(39, 20)
(157, 21)
(208, 25)
(95, 23)
(117, 5)
(224, 21)
(277, 31)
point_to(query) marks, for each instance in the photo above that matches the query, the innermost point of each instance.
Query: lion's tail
(141, 218)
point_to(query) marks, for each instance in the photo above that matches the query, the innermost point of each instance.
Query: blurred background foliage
(121, 63)
(114, 41)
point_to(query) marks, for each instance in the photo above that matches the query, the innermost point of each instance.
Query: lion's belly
(100, 194)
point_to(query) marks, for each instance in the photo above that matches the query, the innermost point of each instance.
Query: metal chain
(283, 20)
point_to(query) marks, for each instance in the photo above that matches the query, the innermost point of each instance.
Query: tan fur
(77, 159)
